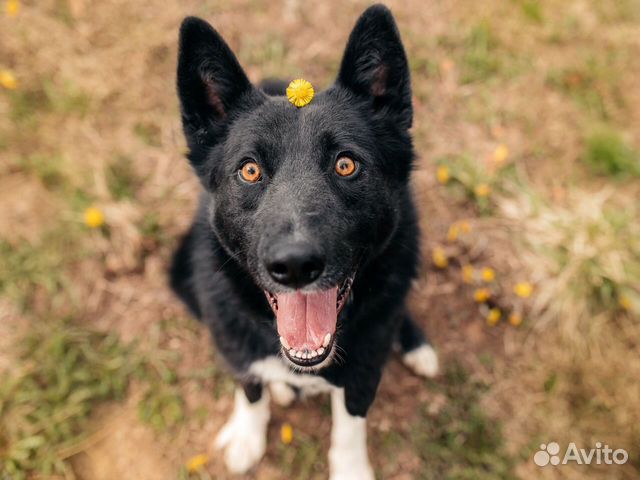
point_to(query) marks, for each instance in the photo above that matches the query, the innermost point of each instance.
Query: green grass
(481, 60)
(148, 132)
(64, 372)
(607, 153)
(461, 441)
(122, 180)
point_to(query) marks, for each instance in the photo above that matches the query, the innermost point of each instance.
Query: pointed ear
(210, 80)
(375, 65)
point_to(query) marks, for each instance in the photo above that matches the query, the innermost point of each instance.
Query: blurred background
(526, 127)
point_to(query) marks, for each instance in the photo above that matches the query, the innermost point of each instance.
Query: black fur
(365, 224)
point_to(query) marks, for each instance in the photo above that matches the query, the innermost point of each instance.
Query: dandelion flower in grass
(11, 7)
(488, 274)
(501, 154)
(523, 289)
(465, 226)
(515, 319)
(8, 80)
(482, 190)
(300, 92)
(481, 295)
(286, 433)
(442, 174)
(454, 231)
(624, 302)
(493, 317)
(439, 257)
(467, 274)
(196, 462)
(93, 217)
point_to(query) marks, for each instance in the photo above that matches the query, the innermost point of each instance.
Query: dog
(305, 242)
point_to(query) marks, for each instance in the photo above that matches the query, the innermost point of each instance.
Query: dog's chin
(309, 313)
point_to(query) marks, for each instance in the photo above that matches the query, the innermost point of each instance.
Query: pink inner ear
(379, 83)
(214, 99)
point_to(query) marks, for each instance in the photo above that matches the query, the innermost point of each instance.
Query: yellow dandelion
(8, 80)
(452, 234)
(515, 319)
(467, 274)
(439, 257)
(488, 274)
(493, 317)
(624, 302)
(286, 433)
(93, 217)
(300, 92)
(523, 289)
(482, 190)
(481, 295)
(442, 174)
(11, 7)
(196, 462)
(500, 154)
(465, 226)
(447, 65)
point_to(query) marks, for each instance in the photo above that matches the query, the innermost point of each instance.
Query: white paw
(282, 394)
(349, 467)
(244, 437)
(422, 361)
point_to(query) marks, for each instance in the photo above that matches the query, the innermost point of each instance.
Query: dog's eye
(345, 166)
(250, 172)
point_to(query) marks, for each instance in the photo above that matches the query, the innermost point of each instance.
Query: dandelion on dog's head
(93, 217)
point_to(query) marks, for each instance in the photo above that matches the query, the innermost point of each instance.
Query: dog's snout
(295, 264)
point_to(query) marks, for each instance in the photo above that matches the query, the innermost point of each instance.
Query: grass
(607, 153)
(461, 441)
(66, 371)
(481, 60)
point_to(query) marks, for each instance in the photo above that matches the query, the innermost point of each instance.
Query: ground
(527, 171)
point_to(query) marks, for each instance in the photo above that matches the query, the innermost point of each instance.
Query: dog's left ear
(375, 65)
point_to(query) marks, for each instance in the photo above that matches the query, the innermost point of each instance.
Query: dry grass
(93, 121)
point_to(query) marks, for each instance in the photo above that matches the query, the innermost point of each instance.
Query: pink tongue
(304, 319)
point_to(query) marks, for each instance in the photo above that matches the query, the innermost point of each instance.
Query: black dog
(306, 240)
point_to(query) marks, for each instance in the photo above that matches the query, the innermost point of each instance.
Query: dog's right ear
(211, 82)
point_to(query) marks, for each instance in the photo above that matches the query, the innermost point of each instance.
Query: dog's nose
(295, 264)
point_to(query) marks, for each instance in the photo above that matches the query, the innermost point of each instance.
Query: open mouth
(307, 322)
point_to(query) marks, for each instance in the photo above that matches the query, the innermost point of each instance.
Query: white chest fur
(273, 370)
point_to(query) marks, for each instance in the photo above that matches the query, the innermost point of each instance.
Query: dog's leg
(417, 353)
(244, 436)
(282, 394)
(348, 457)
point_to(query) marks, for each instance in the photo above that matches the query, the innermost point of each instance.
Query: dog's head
(301, 197)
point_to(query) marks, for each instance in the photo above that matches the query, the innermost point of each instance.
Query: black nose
(294, 264)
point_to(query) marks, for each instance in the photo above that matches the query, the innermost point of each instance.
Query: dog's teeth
(313, 354)
(284, 343)
(327, 339)
(320, 350)
(292, 353)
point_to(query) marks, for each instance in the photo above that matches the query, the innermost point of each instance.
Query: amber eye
(250, 172)
(345, 166)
